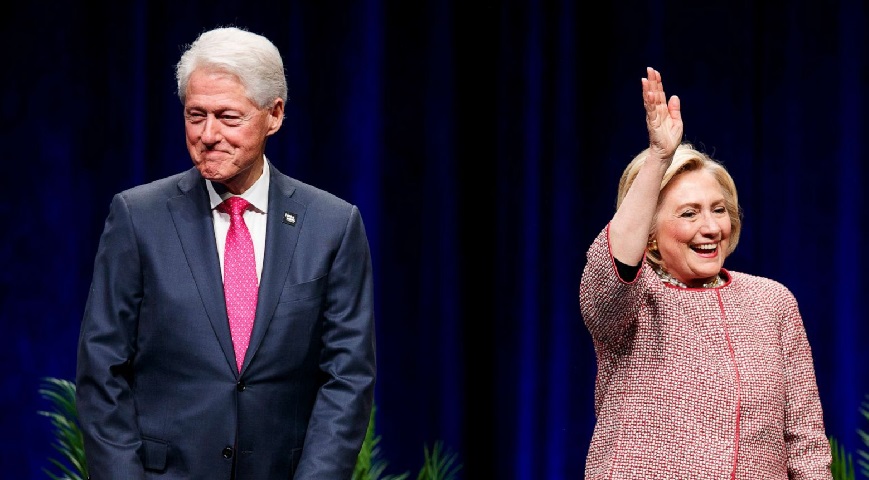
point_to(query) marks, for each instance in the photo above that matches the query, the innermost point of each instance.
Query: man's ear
(276, 116)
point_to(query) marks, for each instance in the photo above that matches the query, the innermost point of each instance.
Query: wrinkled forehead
(216, 88)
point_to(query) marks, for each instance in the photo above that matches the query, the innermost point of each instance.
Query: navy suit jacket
(157, 388)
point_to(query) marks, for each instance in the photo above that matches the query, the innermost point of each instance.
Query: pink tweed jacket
(699, 383)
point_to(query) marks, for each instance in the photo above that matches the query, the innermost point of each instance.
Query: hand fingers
(653, 91)
(647, 96)
(675, 107)
(654, 78)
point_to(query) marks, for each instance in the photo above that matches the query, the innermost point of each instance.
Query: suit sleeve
(106, 350)
(341, 412)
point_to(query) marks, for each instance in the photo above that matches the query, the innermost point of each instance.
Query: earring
(653, 245)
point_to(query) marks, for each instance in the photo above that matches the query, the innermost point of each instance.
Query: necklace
(667, 278)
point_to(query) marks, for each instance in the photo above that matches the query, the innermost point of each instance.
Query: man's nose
(211, 130)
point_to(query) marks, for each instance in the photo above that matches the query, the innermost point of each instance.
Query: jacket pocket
(155, 453)
(303, 296)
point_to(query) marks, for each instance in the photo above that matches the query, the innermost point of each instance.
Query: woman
(702, 372)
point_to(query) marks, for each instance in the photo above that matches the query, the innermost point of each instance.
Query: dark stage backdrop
(482, 141)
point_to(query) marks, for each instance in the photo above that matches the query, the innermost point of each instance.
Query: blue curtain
(483, 142)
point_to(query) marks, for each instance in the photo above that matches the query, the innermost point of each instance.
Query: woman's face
(693, 229)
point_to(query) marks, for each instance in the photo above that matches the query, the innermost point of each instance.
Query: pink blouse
(699, 383)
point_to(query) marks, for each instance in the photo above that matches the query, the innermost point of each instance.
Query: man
(183, 371)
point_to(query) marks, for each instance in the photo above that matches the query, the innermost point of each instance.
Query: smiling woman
(702, 372)
(698, 219)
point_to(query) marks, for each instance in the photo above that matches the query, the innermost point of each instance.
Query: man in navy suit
(160, 393)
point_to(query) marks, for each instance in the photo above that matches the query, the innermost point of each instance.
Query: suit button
(240, 386)
(227, 452)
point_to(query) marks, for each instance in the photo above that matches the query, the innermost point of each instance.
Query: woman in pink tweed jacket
(703, 373)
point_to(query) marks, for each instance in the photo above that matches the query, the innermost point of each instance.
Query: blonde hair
(686, 159)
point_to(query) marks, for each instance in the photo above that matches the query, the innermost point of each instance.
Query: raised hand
(663, 118)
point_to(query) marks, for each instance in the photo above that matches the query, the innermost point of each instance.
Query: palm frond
(369, 464)
(863, 453)
(438, 464)
(842, 466)
(68, 440)
(72, 465)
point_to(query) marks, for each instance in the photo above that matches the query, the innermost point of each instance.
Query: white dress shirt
(254, 217)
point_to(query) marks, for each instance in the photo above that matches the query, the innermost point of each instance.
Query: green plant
(67, 434)
(437, 464)
(369, 465)
(863, 454)
(842, 466)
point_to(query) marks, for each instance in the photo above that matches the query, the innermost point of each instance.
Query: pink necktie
(239, 277)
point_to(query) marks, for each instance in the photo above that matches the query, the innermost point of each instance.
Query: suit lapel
(285, 217)
(191, 214)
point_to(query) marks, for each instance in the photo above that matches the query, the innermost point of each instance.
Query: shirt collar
(257, 194)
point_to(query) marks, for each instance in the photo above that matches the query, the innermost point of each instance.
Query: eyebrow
(698, 205)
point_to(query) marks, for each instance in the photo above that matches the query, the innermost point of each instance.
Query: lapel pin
(290, 218)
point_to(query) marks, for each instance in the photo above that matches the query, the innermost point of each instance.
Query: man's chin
(208, 173)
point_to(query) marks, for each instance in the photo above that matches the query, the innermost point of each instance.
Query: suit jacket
(158, 391)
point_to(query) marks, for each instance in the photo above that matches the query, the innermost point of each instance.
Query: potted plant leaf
(438, 464)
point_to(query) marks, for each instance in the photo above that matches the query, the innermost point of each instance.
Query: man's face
(226, 132)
